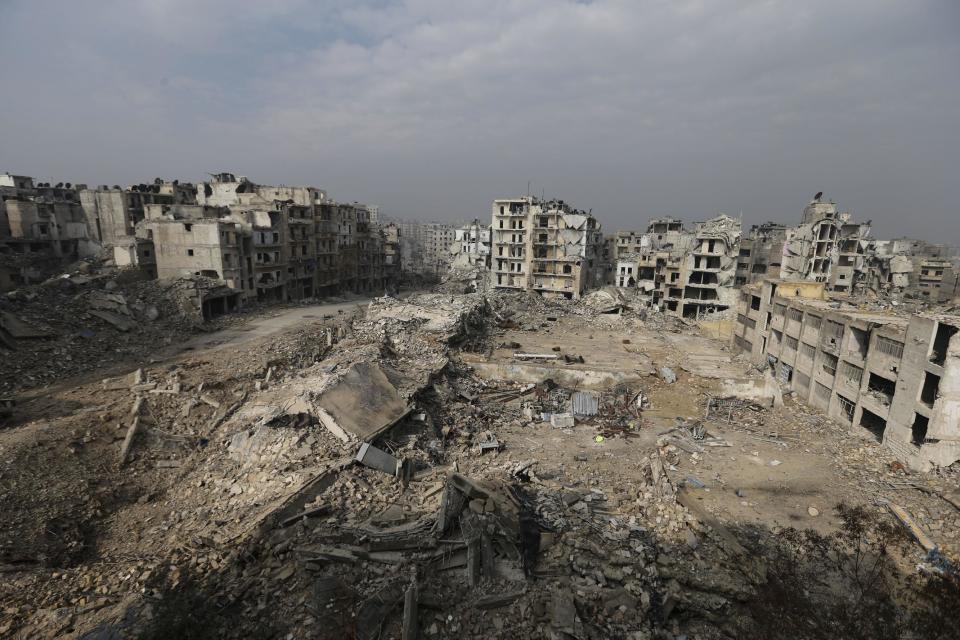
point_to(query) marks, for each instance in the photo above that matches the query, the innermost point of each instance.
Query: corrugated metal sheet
(585, 403)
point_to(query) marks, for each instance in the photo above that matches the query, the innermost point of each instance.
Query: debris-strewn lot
(463, 466)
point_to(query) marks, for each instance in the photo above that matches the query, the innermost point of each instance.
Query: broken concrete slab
(119, 322)
(667, 375)
(370, 456)
(765, 391)
(15, 328)
(362, 404)
(562, 420)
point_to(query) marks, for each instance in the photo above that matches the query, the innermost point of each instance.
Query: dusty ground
(86, 541)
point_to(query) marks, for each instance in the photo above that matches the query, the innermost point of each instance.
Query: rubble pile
(83, 322)
(358, 479)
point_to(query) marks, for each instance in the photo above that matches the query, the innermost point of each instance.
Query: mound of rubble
(358, 480)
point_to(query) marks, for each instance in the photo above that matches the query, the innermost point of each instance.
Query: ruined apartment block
(471, 246)
(896, 377)
(41, 227)
(545, 246)
(112, 213)
(909, 268)
(392, 265)
(827, 246)
(685, 273)
(761, 253)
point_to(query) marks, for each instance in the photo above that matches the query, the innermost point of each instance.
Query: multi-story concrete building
(687, 273)
(425, 248)
(471, 246)
(908, 268)
(827, 246)
(113, 212)
(896, 377)
(41, 227)
(761, 253)
(545, 246)
(392, 259)
(199, 240)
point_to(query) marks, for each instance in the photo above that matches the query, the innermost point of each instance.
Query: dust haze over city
(411, 319)
(632, 109)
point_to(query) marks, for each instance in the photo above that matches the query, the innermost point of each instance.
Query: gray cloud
(431, 108)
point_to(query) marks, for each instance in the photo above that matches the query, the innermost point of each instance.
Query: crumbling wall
(945, 420)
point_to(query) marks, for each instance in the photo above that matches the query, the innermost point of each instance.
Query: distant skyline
(431, 109)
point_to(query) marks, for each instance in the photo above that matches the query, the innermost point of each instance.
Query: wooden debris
(901, 514)
(410, 624)
(128, 440)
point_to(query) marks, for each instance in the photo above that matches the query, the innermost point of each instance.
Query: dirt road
(273, 323)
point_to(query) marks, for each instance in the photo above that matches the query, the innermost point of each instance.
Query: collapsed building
(112, 213)
(761, 253)
(41, 227)
(894, 376)
(685, 273)
(830, 247)
(471, 246)
(827, 246)
(545, 246)
(906, 268)
(392, 254)
(264, 242)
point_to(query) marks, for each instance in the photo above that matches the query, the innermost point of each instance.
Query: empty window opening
(829, 364)
(189, 252)
(941, 341)
(873, 423)
(881, 388)
(858, 342)
(931, 385)
(919, 429)
(846, 408)
(755, 303)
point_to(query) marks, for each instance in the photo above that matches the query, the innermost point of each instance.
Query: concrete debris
(667, 375)
(370, 456)
(562, 420)
(349, 475)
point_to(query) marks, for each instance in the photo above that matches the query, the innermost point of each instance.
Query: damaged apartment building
(266, 242)
(893, 376)
(471, 246)
(684, 273)
(827, 246)
(545, 246)
(905, 268)
(830, 247)
(41, 228)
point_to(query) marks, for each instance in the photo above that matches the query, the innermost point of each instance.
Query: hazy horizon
(432, 109)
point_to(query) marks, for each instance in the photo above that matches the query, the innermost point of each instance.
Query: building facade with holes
(892, 377)
(545, 246)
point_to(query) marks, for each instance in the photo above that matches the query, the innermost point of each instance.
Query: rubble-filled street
(462, 466)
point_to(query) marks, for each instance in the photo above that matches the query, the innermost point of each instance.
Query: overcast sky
(432, 108)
